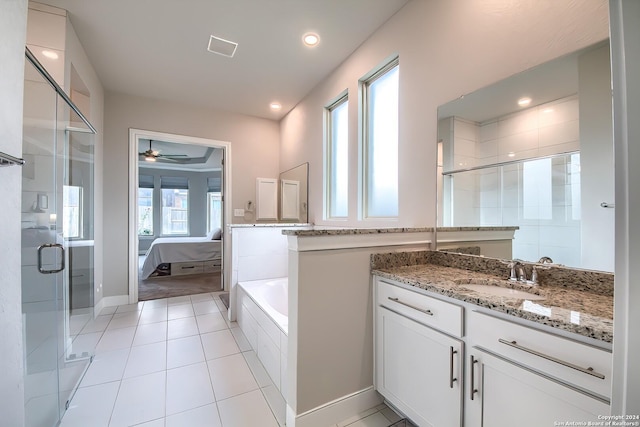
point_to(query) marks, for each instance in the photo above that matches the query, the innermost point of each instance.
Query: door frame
(134, 136)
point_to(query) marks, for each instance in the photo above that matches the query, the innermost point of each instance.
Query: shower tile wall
(542, 198)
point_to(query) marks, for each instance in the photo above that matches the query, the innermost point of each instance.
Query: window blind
(174, 182)
(145, 181)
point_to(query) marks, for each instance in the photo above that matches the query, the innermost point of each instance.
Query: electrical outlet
(238, 212)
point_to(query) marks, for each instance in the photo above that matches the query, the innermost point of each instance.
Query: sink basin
(499, 291)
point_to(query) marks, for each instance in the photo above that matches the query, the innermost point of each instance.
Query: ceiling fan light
(149, 158)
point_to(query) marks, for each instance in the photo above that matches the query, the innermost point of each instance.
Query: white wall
(596, 159)
(625, 55)
(254, 147)
(446, 49)
(76, 57)
(13, 29)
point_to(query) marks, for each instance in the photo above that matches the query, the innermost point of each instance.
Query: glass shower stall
(57, 246)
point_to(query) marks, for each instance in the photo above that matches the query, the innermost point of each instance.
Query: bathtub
(262, 314)
(272, 296)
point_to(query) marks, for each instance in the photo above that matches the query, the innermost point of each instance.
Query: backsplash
(597, 282)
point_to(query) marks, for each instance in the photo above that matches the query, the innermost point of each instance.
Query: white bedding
(180, 249)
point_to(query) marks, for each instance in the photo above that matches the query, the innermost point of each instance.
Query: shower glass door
(55, 356)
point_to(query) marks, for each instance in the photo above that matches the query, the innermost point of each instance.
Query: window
(214, 202)
(214, 211)
(145, 205)
(175, 205)
(380, 142)
(72, 212)
(337, 159)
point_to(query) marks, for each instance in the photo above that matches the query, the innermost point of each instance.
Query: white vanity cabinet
(506, 394)
(527, 377)
(433, 358)
(418, 368)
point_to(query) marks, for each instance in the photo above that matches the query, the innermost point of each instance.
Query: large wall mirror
(535, 151)
(293, 194)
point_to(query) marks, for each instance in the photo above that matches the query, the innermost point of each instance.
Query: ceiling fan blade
(172, 155)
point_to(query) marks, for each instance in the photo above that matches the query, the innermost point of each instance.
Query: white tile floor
(178, 362)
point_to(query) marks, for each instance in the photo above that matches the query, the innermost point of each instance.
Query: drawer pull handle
(185, 268)
(451, 379)
(422, 310)
(474, 390)
(588, 371)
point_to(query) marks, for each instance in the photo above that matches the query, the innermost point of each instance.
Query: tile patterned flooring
(177, 362)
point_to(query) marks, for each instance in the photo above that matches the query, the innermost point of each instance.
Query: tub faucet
(545, 260)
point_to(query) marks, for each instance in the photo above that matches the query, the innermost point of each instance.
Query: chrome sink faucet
(516, 273)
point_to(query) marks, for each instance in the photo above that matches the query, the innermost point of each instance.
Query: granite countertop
(351, 231)
(588, 312)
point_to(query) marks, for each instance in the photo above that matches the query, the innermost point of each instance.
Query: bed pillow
(214, 234)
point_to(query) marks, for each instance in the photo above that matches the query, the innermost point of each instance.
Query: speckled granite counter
(578, 301)
(317, 231)
(352, 231)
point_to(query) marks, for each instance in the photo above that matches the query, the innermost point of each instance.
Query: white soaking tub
(262, 313)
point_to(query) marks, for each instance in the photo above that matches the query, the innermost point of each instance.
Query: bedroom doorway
(179, 198)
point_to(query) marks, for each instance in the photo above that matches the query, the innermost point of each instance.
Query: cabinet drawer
(429, 311)
(179, 268)
(569, 361)
(211, 266)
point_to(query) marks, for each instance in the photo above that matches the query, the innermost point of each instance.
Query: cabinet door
(418, 370)
(510, 395)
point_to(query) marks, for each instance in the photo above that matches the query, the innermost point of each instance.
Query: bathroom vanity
(456, 343)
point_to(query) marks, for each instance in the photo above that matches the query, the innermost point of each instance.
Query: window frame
(162, 207)
(213, 195)
(329, 148)
(364, 85)
(152, 190)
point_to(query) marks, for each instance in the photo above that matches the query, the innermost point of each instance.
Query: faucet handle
(513, 275)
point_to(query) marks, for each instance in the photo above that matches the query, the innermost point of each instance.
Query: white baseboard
(333, 412)
(110, 302)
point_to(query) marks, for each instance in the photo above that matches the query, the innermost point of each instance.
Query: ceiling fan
(152, 155)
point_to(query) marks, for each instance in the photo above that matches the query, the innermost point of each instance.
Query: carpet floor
(177, 286)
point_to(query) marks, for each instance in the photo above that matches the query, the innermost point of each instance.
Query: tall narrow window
(380, 131)
(145, 205)
(337, 159)
(214, 202)
(175, 205)
(72, 211)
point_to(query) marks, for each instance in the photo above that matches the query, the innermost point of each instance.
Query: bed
(167, 250)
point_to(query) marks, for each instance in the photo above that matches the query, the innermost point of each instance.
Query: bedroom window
(145, 205)
(379, 92)
(72, 212)
(145, 211)
(175, 205)
(214, 211)
(214, 201)
(337, 158)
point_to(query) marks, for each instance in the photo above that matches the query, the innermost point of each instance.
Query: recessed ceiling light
(275, 106)
(311, 39)
(523, 102)
(511, 154)
(50, 54)
(548, 110)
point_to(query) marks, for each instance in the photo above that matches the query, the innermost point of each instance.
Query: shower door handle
(42, 248)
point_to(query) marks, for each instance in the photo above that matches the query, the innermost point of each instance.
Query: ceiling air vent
(222, 47)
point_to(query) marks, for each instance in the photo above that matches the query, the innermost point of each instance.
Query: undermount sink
(499, 291)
